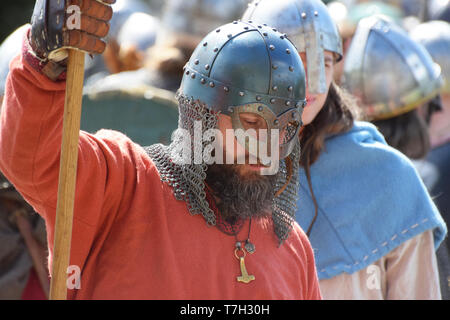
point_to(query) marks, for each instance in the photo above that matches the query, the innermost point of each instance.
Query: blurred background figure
(126, 55)
(159, 49)
(114, 60)
(435, 169)
(405, 13)
(393, 76)
(398, 85)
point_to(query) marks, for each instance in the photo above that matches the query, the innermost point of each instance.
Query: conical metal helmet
(435, 37)
(245, 67)
(309, 26)
(389, 72)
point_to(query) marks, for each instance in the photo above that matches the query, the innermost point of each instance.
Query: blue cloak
(370, 199)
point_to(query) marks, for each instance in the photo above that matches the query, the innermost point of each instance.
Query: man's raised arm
(31, 116)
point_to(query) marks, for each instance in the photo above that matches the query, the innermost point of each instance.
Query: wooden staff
(67, 175)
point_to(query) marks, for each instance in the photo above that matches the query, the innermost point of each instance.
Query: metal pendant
(250, 247)
(244, 277)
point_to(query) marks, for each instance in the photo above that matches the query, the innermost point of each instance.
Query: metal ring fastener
(236, 253)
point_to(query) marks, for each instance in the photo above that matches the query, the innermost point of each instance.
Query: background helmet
(244, 67)
(435, 37)
(140, 30)
(198, 17)
(309, 26)
(389, 72)
(123, 9)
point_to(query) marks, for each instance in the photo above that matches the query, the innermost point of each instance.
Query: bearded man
(171, 222)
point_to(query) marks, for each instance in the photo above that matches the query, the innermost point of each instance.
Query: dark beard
(241, 196)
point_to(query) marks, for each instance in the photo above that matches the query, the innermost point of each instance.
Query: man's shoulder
(298, 238)
(118, 147)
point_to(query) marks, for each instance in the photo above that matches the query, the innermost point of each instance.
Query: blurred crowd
(149, 49)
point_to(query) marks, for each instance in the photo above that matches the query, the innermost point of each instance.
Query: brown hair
(336, 116)
(407, 133)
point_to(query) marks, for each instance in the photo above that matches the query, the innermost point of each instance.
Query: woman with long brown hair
(370, 220)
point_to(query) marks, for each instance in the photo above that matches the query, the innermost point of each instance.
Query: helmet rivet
(272, 100)
(291, 68)
(211, 84)
(288, 51)
(274, 67)
(259, 27)
(274, 88)
(235, 22)
(226, 89)
(187, 72)
(241, 93)
(272, 47)
(281, 37)
(230, 35)
(207, 67)
(196, 61)
(288, 103)
(258, 98)
(275, 30)
(245, 28)
(265, 34)
(205, 44)
(265, 24)
(216, 49)
(218, 30)
(304, 15)
(250, 21)
(290, 88)
(203, 80)
(260, 108)
(316, 13)
(193, 75)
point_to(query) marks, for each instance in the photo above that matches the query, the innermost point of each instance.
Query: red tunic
(131, 238)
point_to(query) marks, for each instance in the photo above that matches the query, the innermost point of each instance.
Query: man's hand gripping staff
(62, 29)
(58, 25)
